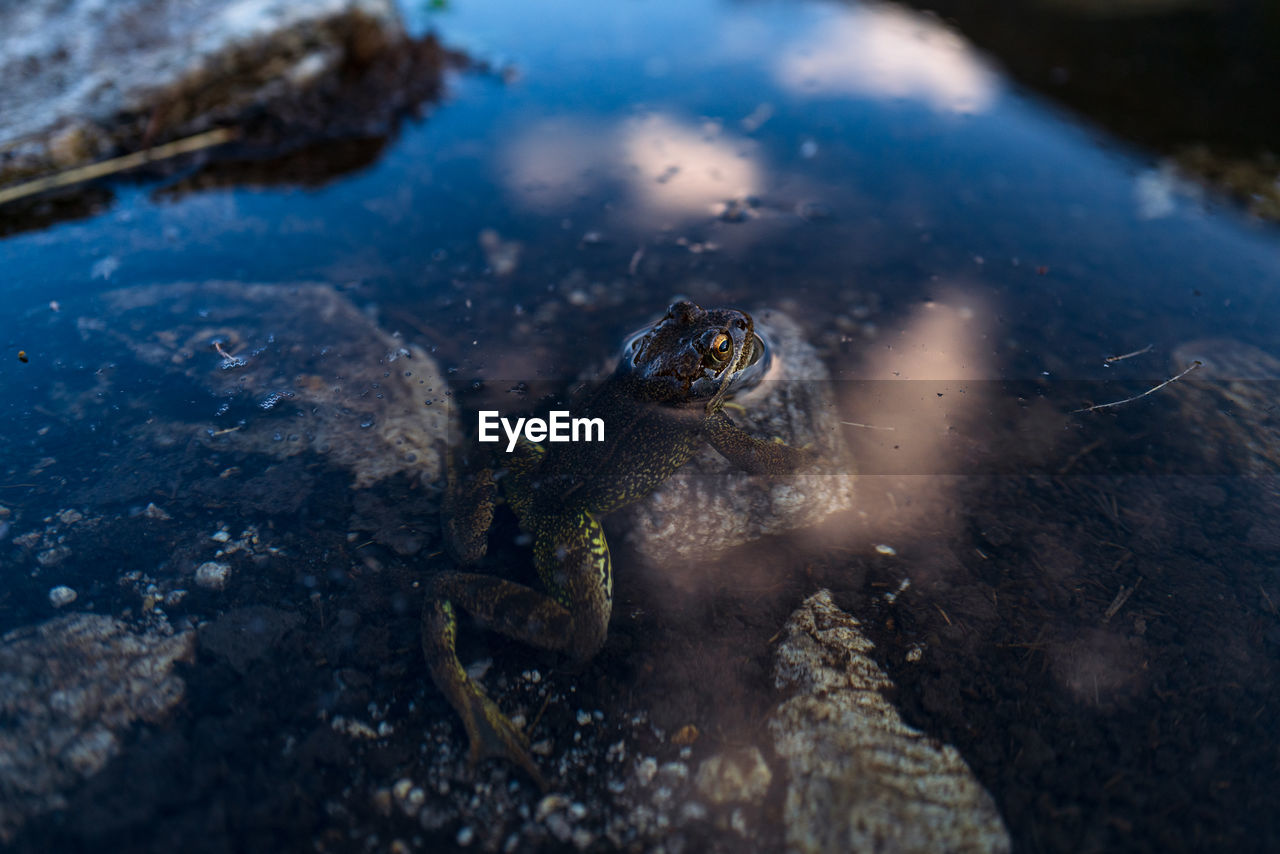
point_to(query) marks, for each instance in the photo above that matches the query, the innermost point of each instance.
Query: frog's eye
(721, 345)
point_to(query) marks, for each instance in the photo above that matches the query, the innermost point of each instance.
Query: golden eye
(721, 345)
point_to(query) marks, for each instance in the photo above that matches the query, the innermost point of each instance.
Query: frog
(668, 397)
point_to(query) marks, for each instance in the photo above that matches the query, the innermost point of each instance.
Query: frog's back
(644, 443)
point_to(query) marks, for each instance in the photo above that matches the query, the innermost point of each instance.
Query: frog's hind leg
(573, 561)
(512, 609)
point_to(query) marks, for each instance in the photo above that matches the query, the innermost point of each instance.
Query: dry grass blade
(116, 165)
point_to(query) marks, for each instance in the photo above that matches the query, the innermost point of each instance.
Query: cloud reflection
(680, 169)
(929, 370)
(668, 168)
(554, 160)
(886, 52)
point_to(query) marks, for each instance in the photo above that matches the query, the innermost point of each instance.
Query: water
(963, 254)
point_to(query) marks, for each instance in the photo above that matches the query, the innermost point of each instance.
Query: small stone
(465, 836)
(154, 512)
(584, 718)
(212, 575)
(549, 805)
(70, 517)
(221, 536)
(734, 776)
(61, 595)
(647, 770)
(559, 827)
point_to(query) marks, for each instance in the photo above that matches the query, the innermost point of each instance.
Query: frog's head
(691, 355)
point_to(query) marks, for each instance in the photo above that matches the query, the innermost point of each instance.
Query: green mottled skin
(663, 402)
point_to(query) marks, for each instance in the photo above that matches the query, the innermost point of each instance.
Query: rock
(710, 506)
(1229, 405)
(61, 595)
(299, 368)
(860, 778)
(212, 575)
(70, 689)
(739, 775)
(86, 79)
(157, 513)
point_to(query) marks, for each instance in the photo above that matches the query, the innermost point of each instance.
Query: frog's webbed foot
(493, 735)
(512, 609)
(753, 455)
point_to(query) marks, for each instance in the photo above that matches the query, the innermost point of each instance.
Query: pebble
(70, 517)
(212, 575)
(221, 536)
(465, 836)
(154, 512)
(549, 805)
(61, 595)
(584, 718)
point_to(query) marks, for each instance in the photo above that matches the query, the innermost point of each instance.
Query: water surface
(964, 254)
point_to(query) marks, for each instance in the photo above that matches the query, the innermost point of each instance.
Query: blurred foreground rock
(710, 506)
(860, 778)
(85, 79)
(69, 691)
(299, 369)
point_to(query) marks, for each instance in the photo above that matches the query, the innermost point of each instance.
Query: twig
(1111, 359)
(1118, 602)
(1197, 363)
(80, 174)
(867, 426)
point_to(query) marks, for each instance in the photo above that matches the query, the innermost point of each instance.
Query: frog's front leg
(755, 456)
(573, 561)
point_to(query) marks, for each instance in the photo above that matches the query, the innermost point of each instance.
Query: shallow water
(964, 255)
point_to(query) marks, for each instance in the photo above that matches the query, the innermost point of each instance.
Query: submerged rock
(86, 79)
(299, 369)
(710, 506)
(860, 778)
(69, 691)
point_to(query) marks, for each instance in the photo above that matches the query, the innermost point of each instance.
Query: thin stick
(1121, 598)
(1110, 359)
(1197, 363)
(80, 174)
(867, 426)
